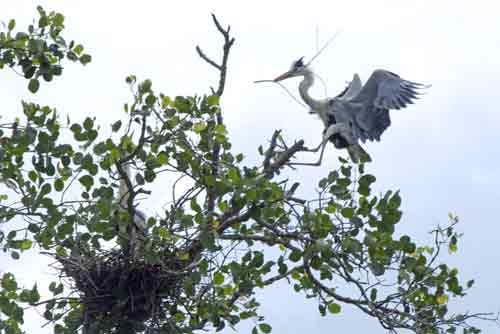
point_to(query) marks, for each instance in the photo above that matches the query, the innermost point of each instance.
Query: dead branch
(222, 67)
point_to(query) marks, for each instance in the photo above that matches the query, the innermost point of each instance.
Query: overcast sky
(442, 153)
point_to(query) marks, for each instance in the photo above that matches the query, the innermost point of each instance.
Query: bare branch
(271, 150)
(222, 67)
(283, 158)
(208, 60)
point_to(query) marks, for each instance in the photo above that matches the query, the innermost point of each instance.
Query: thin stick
(323, 48)
(286, 90)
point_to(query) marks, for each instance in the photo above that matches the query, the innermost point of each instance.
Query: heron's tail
(358, 154)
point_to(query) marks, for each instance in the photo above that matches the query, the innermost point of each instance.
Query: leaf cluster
(37, 53)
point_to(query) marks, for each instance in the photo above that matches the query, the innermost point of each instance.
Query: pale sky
(442, 153)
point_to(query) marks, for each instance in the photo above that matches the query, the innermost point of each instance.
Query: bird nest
(113, 288)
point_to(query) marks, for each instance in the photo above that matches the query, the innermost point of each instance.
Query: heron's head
(298, 68)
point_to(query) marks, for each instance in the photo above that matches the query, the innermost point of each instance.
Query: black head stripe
(299, 63)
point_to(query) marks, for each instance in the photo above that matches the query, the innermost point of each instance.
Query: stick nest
(113, 288)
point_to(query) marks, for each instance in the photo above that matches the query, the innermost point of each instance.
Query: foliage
(39, 51)
(211, 246)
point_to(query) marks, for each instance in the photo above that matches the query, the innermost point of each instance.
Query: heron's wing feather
(352, 89)
(383, 91)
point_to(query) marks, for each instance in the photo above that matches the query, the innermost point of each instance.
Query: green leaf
(59, 19)
(334, 308)
(130, 79)
(258, 259)
(29, 71)
(34, 296)
(87, 181)
(145, 86)
(395, 201)
(252, 194)
(195, 206)
(442, 299)
(373, 294)
(8, 282)
(220, 128)
(88, 124)
(33, 85)
(58, 184)
(78, 49)
(163, 232)
(116, 126)
(12, 24)
(346, 171)
(33, 175)
(25, 244)
(218, 278)
(213, 100)
(165, 101)
(150, 100)
(85, 59)
(265, 328)
(162, 158)
(247, 314)
(295, 256)
(199, 127)
(347, 212)
(46, 189)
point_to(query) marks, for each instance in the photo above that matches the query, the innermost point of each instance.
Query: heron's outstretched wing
(384, 90)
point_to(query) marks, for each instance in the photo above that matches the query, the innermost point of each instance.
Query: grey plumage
(360, 112)
(368, 107)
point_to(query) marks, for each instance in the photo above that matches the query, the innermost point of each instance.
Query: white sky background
(442, 153)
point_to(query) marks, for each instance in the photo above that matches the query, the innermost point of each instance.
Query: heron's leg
(316, 149)
(332, 129)
(317, 163)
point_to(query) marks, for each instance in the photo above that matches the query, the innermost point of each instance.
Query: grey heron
(359, 112)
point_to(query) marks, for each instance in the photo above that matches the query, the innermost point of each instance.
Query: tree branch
(283, 157)
(222, 67)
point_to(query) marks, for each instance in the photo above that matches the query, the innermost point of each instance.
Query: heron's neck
(124, 190)
(304, 86)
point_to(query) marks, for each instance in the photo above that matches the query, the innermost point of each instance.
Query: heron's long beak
(284, 76)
